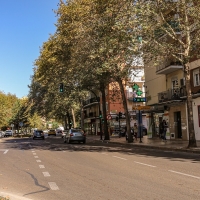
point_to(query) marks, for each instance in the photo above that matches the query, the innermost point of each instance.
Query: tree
(170, 29)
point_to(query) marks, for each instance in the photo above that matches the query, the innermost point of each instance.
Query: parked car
(8, 133)
(64, 133)
(75, 135)
(39, 134)
(51, 132)
(144, 130)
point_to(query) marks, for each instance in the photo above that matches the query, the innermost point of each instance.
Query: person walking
(164, 125)
(135, 130)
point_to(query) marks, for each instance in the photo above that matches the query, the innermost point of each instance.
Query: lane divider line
(53, 186)
(144, 164)
(36, 156)
(46, 174)
(38, 160)
(184, 174)
(41, 166)
(120, 158)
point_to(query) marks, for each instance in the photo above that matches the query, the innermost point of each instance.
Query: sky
(24, 26)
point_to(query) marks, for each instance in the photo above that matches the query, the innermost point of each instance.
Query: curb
(180, 149)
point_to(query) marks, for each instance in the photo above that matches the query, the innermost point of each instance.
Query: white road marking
(41, 166)
(53, 186)
(46, 174)
(144, 164)
(36, 156)
(38, 160)
(119, 157)
(34, 153)
(5, 150)
(184, 174)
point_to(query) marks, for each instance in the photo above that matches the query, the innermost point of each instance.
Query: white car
(8, 133)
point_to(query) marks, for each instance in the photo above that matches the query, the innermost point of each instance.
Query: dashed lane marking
(144, 164)
(120, 158)
(41, 166)
(53, 186)
(38, 160)
(184, 174)
(5, 151)
(46, 174)
(36, 156)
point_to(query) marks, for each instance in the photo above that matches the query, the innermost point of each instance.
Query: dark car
(75, 135)
(144, 130)
(39, 134)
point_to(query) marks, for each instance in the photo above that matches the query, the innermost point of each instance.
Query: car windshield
(39, 131)
(76, 130)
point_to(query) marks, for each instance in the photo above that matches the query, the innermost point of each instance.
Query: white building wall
(196, 103)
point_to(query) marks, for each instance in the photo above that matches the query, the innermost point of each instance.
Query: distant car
(144, 130)
(8, 133)
(75, 135)
(51, 132)
(39, 134)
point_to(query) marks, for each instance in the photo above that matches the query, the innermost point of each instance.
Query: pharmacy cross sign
(139, 92)
(135, 86)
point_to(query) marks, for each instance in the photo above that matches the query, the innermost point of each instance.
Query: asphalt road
(52, 170)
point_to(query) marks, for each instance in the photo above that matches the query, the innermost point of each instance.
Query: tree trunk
(192, 139)
(73, 117)
(105, 124)
(130, 137)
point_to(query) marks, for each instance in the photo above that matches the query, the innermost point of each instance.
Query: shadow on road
(57, 144)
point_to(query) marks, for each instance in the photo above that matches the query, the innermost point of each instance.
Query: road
(50, 169)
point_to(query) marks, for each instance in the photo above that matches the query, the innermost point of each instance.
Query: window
(199, 115)
(196, 78)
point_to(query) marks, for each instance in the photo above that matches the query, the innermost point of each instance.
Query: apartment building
(92, 107)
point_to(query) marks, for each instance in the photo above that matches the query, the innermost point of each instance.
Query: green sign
(135, 86)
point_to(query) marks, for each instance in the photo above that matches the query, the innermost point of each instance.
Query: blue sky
(24, 26)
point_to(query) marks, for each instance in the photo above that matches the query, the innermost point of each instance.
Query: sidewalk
(154, 143)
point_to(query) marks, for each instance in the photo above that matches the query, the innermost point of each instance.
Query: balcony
(172, 94)
(90, 115)
(173, 66)
(93, 100)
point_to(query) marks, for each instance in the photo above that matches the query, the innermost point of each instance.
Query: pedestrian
(161, 129)
(164, 125)
(135, 130)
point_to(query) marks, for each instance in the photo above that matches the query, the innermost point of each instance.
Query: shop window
(199, 115)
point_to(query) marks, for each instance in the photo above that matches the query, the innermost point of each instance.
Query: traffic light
(100, 115)
(120, 115)
(61, 87)
(102, 120)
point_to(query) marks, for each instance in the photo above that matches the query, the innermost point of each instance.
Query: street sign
(12, 125)
(139, 99)
(141, 107)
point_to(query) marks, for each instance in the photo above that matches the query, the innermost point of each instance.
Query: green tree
(170, 29)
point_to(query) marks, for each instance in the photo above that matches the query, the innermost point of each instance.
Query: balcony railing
(90, 115)
(172, 94)
(92, 100)
(169, 68)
